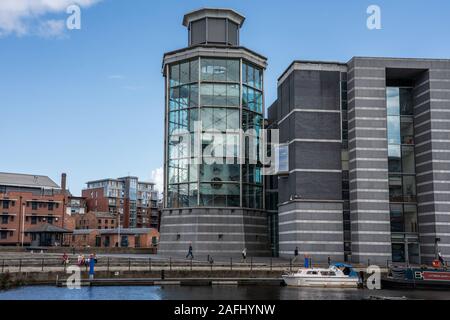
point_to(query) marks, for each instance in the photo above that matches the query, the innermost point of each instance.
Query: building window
(34, 205)
(402, 175)
(5, 204)
(50, 206)
(33, 220)
(5, 219)
(3, 234)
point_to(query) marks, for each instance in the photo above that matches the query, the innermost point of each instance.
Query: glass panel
(406, 103)
(395, 188)
(193, 194)
(183, 194)
(409, 188)
(392, 100)
(233, 70)
(408, 162)
(219, 194)
(174, 75)
(410, 214)
(174, 99)
(206, 92)
(395, 164)
(217, 173)
(194, 70)
(398, 252)
(184, 72)
(220, 70)
(220, 119)
(233, 95)
(394, 130)
(283, 158)
(407, 130)
(397, 224)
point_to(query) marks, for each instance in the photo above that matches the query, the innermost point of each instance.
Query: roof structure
(27, 180)
(47, 228)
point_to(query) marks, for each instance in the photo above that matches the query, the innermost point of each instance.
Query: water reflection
(208, 293)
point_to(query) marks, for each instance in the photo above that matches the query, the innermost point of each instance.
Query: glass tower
(213, 118)
(223, 94)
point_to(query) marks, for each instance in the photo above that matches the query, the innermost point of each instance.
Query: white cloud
(157, 176)
(22, 17)
(51, 28)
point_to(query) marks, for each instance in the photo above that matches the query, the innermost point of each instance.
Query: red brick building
(133, 201)
(96, 220)
(27, 201)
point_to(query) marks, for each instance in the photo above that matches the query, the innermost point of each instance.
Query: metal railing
(112, 264)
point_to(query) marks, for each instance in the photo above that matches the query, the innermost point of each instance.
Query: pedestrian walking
(244, 255)
(92, 262)
(295, 254)
(441, 259)
(306, 261)
(80, 260)
(190, 254)
(65, 259)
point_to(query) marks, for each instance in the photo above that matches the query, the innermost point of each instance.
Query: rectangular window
(5, 204)
(33, 220)
(34, 205)
(5, 219)
(282, 158)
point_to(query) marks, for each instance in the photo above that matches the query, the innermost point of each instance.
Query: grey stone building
(364, 153)
(218, 208)
(369, 160)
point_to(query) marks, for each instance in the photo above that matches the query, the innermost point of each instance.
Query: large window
(209, 90)
(402, 174)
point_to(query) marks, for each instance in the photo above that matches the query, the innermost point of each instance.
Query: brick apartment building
(135, 202)
(29, 201)
(96, 220)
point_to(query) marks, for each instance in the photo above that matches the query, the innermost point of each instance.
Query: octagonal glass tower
(218, 84)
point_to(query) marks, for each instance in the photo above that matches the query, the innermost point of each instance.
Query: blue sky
(90, 102)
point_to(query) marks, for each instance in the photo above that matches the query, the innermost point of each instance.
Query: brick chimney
(63, 182)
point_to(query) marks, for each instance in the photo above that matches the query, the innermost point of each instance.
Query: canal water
(208, 293)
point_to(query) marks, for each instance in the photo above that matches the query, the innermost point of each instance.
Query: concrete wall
(368, 162)
(213, 231)
(310, 197)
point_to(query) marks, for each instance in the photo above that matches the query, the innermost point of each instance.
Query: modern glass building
(214, 87)
(363, 156)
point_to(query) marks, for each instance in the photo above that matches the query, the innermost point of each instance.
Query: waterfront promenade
(52, 262)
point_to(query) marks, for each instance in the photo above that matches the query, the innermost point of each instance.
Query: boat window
(311, 272)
